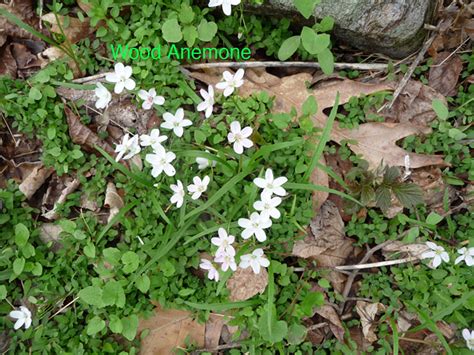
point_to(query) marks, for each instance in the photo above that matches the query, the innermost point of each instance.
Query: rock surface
(391, 27)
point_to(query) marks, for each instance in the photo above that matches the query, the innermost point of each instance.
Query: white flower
(160, 161)
(227, 260)
(270, 185)
(226, 5)
(204, 163)
(23, 318)
(127, 148)
(212, 274)
(224, 242)
(469, 338)
(103, 96)
(150, 98)
(208, 104)
(267, 206)
(231, 82)
(407, 171)
(239, 137)
(154, 139)
(178, 196)
(176, 122)
(255, 225)
(467, 255)
(256, 260)
(198, 187)
(121, 78)
(437, 254)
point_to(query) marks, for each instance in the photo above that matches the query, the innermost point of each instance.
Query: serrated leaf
(171, 30)
(367, 194)
(288, 47)
(409, 195)
(382, 198)
(390, 175)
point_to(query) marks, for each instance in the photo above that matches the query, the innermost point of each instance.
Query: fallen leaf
(244, 284)
(7, 62)
(50, 232)
(329, 313)
(82, 135)
(444, 73)
(34, 180)
(327, 243)
(70, 187)
(413, 105)
(358, 337)
(23, 56)
(321, 178)
(367, 313)
(213, 330)
(75, 29)
(397, 249)
(170, 329)
(22, 9)
(113, 201)
(376, 142)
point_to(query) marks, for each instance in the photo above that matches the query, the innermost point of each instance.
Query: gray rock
(391, 27)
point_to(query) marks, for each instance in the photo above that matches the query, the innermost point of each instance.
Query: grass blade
(313, 187)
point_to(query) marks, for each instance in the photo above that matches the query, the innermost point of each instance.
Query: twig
(379, 264)
(9, 130)
(412, 68)
(454, 52)
(89, 78)
(64, 307)
(323, 324)
(273, 64)
(217, 348)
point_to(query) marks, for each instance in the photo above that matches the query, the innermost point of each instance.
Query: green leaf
(18, 266)
(311, 300)
(326, 60)
(130, 261)
(186, 292)
(206, 30)
(89, 250)
(51, 133)
(313, 42)
(167, 268)
(409, 195)
(272, 329)
(288, 47)
(21, 235)
(95, 325)
(115, 324)
(130, 326)
(143, 283)
(306, 7)
(3, 292)
(186, 15)
(92, 295)
(310, 106)
(383, 198)
(456, 133)
(412, 234)
(172, 31)
(324, 283)
(190, 34)
(200, 137)
(112, 255)
(433, 218)
(35, 94)
(281, 120)
(440, 108)
(296, 334)
(326, 24)
(113, 294)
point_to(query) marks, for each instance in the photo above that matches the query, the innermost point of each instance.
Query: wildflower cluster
(438, 254)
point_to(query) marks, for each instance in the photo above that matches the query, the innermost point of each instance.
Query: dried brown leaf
(444, 73)
(397, 249)
(34, 180)
(75, 31)
(367, 313)
(168, 330)
(69, 188)
(213, 330)
(50, 232)
(244, 284)
(113, 201)
(23, 56)
(82, 135)
(330, 314)
(8, 65)
(327, 243)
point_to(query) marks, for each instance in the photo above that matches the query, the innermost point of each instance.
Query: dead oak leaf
(330, 314)
(367, 313)
(169, 329)
(444, 73)
(244, 284)
(75, 29)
